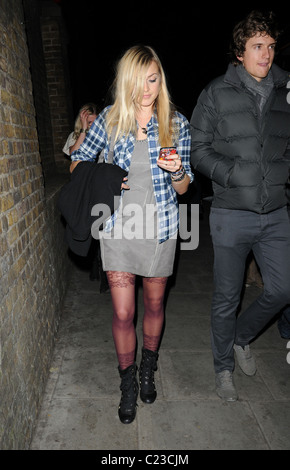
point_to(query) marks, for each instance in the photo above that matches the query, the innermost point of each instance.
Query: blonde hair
(92, 109)
(128, 92)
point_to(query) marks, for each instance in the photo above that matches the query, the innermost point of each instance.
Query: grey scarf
(261, 90)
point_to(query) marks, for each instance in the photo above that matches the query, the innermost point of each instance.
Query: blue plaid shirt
(166, 199)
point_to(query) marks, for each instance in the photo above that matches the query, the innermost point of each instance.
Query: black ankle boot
(129, 388)
(148, 366)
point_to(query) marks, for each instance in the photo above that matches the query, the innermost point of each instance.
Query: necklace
(143, 129)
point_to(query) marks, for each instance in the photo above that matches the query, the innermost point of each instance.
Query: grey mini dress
(132, 245)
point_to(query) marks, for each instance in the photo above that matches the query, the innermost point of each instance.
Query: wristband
(178, 175)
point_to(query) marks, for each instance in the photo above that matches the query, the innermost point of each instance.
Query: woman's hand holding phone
(169, 159)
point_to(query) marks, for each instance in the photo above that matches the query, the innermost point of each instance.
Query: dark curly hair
(255, 22)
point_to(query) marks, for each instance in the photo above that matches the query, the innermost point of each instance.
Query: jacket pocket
(278, 172)
(244, 173)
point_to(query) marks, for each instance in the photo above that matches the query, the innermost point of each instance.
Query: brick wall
(58, 82)
(33, 258)
(32, 10)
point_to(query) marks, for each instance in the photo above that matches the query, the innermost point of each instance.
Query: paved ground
(79, 409)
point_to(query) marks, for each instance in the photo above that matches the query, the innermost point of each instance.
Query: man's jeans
(234, 233)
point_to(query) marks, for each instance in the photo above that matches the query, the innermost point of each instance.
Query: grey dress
(132, 246)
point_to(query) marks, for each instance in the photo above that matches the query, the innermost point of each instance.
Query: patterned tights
(122, 287)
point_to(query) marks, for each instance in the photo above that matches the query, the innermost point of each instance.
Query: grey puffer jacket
(246, 154)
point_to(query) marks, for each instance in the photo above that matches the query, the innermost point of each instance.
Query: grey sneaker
(245, 359)
(225, 387)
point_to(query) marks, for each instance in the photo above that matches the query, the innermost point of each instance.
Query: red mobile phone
(165, 152)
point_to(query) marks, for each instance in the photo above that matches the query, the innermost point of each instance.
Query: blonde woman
(86, 116)
(140, 237)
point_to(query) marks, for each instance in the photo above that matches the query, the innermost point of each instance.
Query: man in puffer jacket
(241, 141)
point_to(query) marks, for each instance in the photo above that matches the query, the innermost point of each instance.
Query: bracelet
(178, 175)
(178, 181)
(178, 172)
(84, 131)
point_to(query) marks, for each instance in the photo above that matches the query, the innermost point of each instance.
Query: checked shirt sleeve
(95, 141)
(184, 145)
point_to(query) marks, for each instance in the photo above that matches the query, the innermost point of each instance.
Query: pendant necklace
(143, 129)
